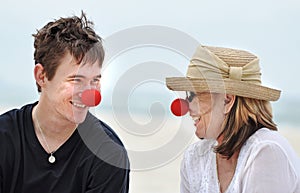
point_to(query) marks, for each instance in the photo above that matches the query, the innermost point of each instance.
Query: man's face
(63, 93)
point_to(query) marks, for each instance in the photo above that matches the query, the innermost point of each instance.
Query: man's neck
(55, 129)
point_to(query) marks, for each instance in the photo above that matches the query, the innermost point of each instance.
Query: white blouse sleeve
(269, 170)
(184, 183)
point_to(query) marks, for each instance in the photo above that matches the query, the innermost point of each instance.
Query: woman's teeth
(78, 105)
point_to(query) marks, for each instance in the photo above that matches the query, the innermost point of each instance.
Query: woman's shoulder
(266, 140)
(267, 136)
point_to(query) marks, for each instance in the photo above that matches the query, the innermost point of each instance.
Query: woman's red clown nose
(91, 97)
(179, 107)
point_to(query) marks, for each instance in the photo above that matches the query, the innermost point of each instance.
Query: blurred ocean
(287, 112)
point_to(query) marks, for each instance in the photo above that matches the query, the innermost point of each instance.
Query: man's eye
(76, 80)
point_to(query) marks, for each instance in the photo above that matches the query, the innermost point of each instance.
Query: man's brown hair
(72, 34)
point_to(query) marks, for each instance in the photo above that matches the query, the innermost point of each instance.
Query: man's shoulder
(101, 139)
(110, 132)
(11, 118)
(93, 126)
(12, 113)
(7, 119)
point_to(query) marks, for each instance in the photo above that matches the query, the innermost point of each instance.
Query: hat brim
(228, 86)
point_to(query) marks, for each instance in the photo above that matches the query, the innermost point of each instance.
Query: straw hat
(224, 70)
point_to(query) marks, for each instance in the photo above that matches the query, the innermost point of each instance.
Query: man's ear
(228, 102)
(39, 74)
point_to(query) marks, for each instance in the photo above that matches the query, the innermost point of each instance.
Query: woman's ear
(228, 102)
(39, 74)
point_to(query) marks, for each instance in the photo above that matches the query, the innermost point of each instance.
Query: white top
(266, 164)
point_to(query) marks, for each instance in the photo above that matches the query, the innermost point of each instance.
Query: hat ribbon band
(218, 69)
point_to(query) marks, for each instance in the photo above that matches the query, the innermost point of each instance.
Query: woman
(241, 150)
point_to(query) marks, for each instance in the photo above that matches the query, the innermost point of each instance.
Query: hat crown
(232, 57)
(224, 63)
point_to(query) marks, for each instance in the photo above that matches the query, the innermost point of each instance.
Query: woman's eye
(96, 81)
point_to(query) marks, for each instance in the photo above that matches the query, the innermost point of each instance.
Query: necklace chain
(51, 159)
(44, 138)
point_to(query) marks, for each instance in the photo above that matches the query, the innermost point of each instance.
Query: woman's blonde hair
(245, 118)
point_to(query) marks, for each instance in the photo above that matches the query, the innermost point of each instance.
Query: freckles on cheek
(65, 93)
(67, 88)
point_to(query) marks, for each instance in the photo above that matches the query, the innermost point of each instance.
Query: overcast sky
(268, 28)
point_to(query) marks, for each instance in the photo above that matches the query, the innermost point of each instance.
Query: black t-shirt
(92, 160)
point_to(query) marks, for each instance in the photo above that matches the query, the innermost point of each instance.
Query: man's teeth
(78, 105)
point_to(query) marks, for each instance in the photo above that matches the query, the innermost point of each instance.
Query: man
(55, 144)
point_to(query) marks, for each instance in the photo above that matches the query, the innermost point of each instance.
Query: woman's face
(207, 111)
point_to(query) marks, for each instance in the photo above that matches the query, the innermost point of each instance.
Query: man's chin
(79, 118)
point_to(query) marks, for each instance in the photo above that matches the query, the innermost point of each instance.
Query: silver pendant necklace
(51, 158)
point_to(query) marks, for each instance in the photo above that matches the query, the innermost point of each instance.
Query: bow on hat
(206, 65)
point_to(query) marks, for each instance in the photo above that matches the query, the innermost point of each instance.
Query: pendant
(51, 159)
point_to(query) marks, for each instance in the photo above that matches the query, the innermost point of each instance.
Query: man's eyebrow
(81, 76)
(76, 76)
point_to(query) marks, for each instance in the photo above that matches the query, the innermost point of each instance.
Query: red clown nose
(179, 107)
(91, 97)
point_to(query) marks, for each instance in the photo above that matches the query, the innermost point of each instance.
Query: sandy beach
(166, 179)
